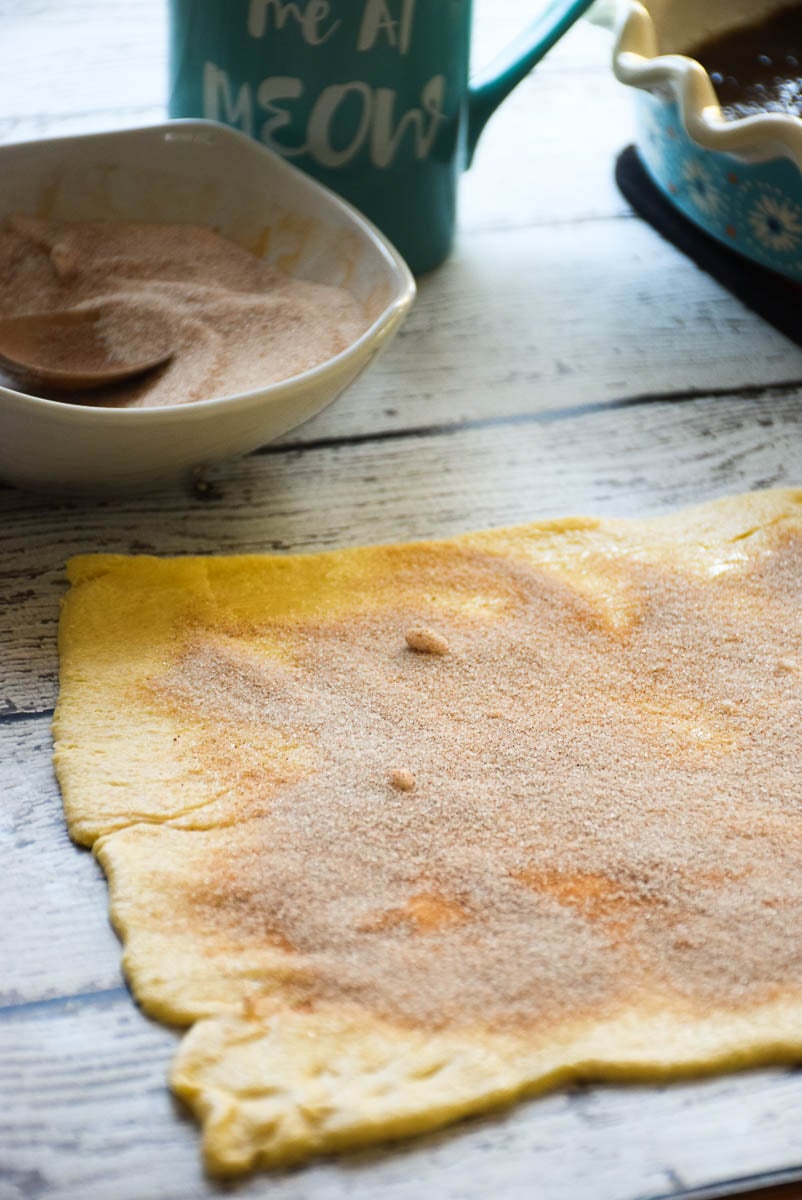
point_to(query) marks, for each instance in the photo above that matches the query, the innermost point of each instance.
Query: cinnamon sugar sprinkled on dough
(425, 640)
(614, 832)
(234, 322)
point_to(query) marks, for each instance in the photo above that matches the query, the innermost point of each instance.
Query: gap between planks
(548, 416)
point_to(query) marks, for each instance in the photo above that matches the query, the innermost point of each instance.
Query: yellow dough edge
(272, 1092)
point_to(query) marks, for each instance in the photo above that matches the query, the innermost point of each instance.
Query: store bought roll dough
(406, 832)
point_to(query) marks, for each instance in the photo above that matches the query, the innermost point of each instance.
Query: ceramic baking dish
(740, 180)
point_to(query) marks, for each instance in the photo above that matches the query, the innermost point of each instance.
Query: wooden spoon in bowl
(70, 350)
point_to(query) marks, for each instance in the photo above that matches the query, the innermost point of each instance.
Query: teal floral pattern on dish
(775, 223)
(755, 208)
(701, 186)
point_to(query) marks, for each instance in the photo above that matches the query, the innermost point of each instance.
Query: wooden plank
(77, 56)
(28, 128)
(555, 316)
(521, 174)
(644, 458)
(57, 939)
(87, 1114)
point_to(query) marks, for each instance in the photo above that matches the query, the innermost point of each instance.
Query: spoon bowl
(76, 349)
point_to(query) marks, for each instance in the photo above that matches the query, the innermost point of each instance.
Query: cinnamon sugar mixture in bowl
(255, 353)
(235, 322)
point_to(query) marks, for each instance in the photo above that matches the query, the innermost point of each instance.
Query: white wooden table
(565, 360)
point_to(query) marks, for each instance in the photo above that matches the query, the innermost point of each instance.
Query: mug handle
(497, 80)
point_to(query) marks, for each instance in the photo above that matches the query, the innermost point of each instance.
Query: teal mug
(371, 97)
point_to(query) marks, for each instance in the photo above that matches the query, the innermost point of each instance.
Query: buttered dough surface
(405, 832)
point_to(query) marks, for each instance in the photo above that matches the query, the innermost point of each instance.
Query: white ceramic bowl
(201, 173)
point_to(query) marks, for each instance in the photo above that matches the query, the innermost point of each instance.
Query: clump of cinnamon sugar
(402, 781)
(234, 323)
(614, 834)
(426, 640)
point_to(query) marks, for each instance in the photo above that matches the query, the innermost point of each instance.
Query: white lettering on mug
(377, 125)
(385, 140)
(278, 87)
(405, 27)
(220, 105)
(321, 117)
(377, 18)
(309, 18)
